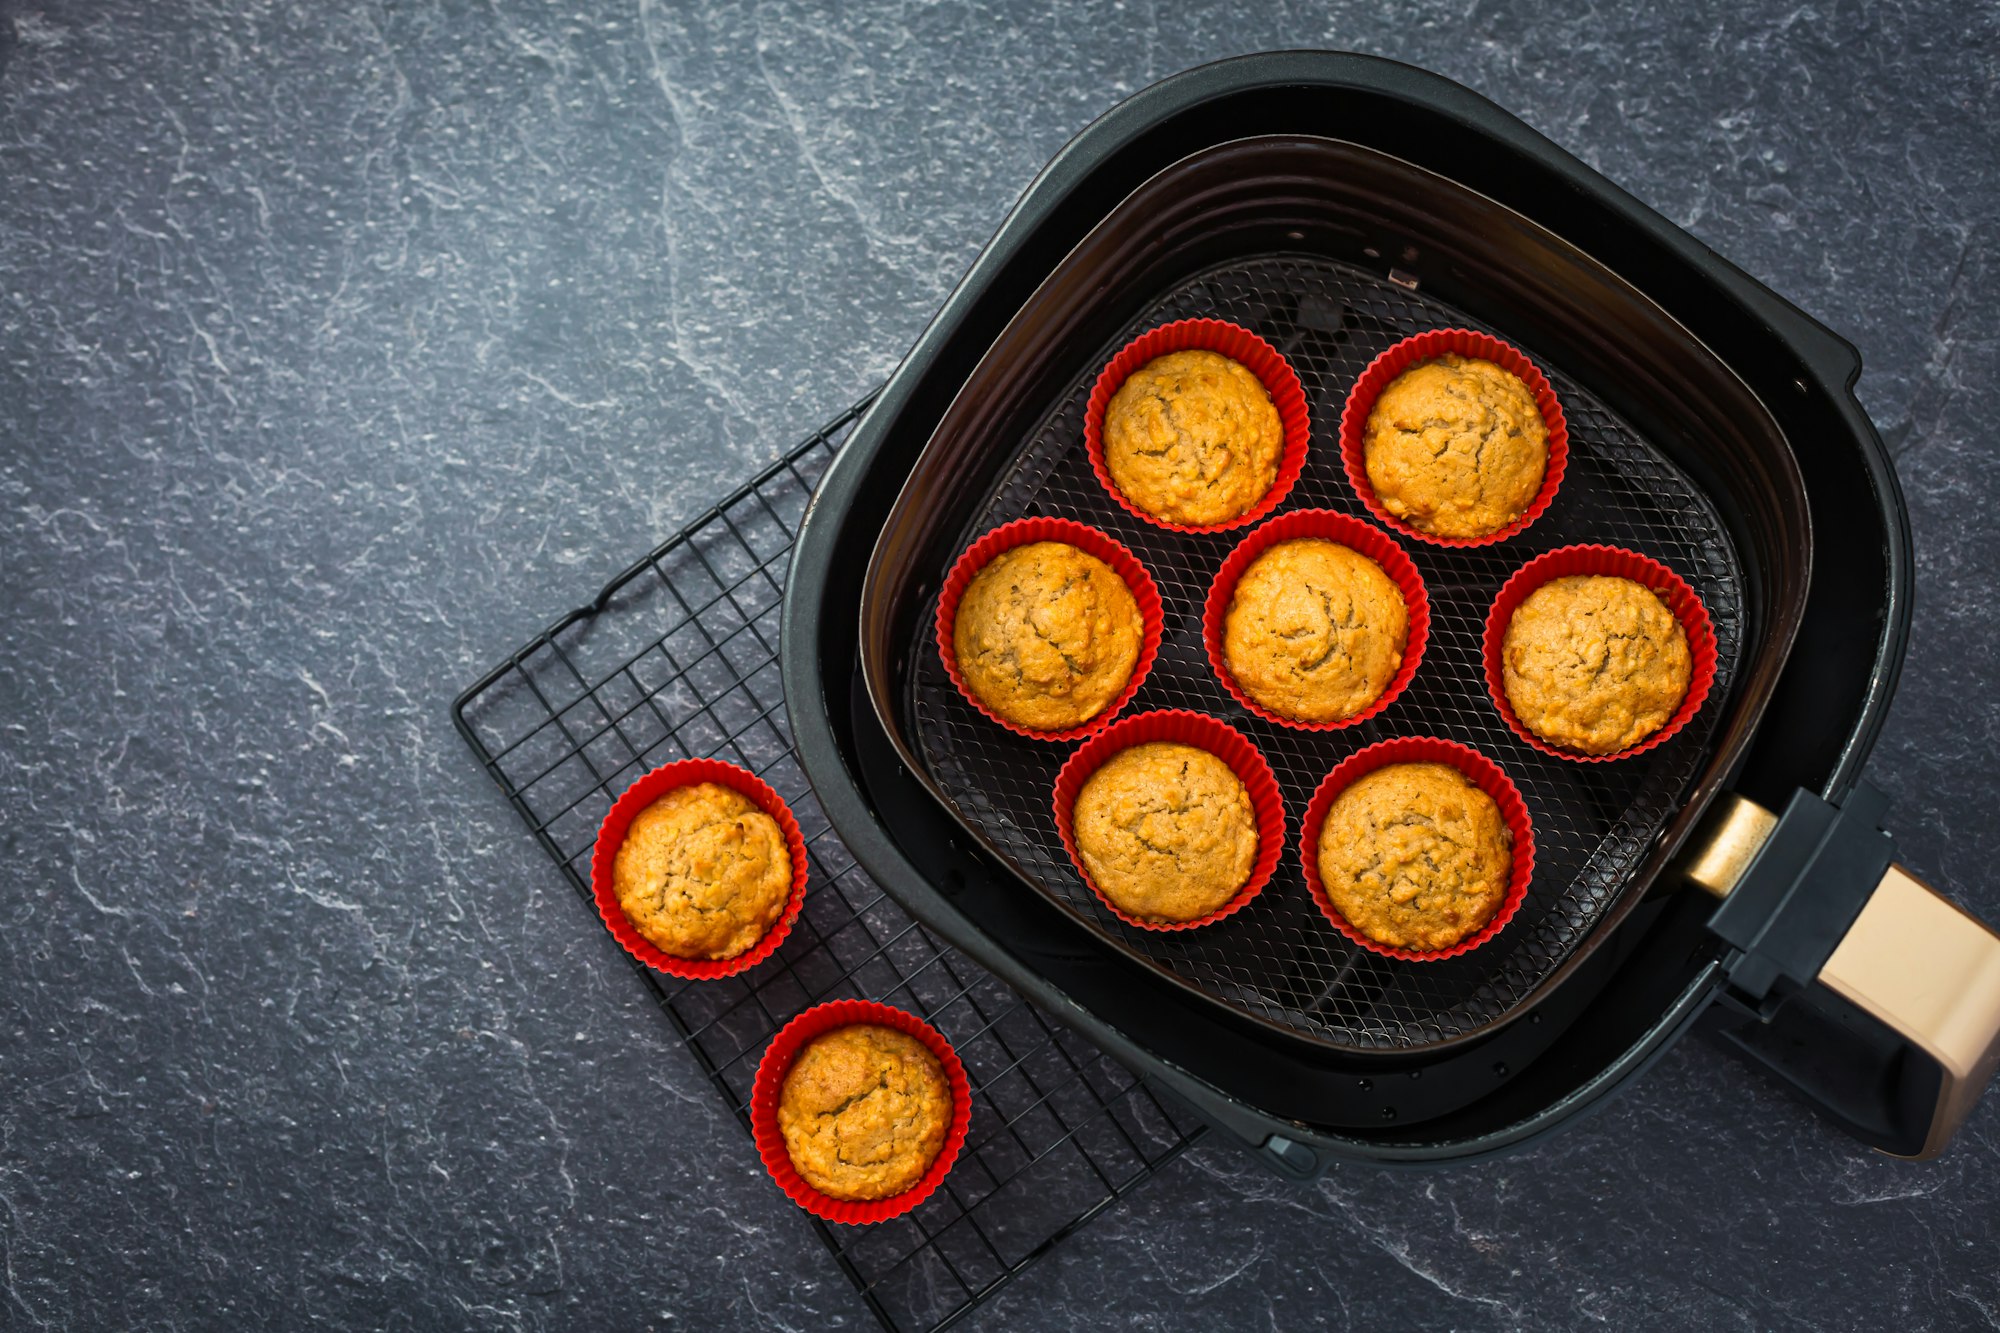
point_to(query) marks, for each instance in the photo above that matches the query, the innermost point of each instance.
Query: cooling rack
(676, 658)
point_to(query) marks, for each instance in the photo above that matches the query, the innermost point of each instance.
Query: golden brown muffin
(1167, 831)
(1047, 635)
(703, 872)
(1595, 663)
(865, 1110)
(1315, 630)
(1456, 447)
(1415, 856)
(1193, 437)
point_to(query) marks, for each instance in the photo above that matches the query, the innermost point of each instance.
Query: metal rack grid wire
(677, 658)
(1279, 962)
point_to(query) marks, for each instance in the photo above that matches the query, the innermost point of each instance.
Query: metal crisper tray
(675, 659)
(1278, 961)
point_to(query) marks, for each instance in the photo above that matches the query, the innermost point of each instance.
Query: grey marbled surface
(343, 344)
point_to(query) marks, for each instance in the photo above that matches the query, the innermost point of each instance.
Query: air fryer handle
(1853, 980)
(1930, 972)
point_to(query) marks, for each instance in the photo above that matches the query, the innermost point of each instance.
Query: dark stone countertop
(342, 345)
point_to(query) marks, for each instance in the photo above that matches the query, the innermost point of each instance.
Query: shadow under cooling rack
(677, 658)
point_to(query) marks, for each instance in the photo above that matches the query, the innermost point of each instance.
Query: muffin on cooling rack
(1595, 663)
(1415, 856)
(864, 1111)
(1315, 630)
(1456, 447)
(1193, 438)
(1167, 831)
(1047, 635)
(703, 872)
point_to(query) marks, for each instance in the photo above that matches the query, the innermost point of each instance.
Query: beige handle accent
(1932, 972)
(1733, 834)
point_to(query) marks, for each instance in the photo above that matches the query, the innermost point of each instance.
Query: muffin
(1415, 856)
(1594, 663)
(1193, 437)
(1167, 831)
(1456, 447)
(1047, 635)
(864, 1111)
(1315, 630)
(703, 872)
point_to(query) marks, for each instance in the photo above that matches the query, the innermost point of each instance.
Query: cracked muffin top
(1315, 630)
(1415, 856)
(703, 872)
(1166, 830)
(1047, 635)
(1456, 447)
(864, 1111)
(1595, 663)
(1193, 437)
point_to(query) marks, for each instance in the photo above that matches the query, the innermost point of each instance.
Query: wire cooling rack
(676, 658)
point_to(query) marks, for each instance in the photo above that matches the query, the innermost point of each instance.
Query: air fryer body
(1663, 968)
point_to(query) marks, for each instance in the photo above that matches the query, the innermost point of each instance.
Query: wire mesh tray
(676, 658)
(1279, 961)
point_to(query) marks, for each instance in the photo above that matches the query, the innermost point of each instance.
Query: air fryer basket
(1815, 945)
(1279, 963)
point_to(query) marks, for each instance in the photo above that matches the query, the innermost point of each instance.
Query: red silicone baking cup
(1089, 540)
(1206, 733)
(1239, 345)
(1428, 346)
(1352, 533)
(1484, 773)
(777, 1062)
(611, 836)
(1670, 587)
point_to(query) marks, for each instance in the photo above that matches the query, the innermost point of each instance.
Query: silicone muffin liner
(1089, 540)
(611, 836)
(1428, 346)
(1206, 733)
(1484, 773)
(1670, 587)
(1352, 533)
(1239, 345)
(770, 1081)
